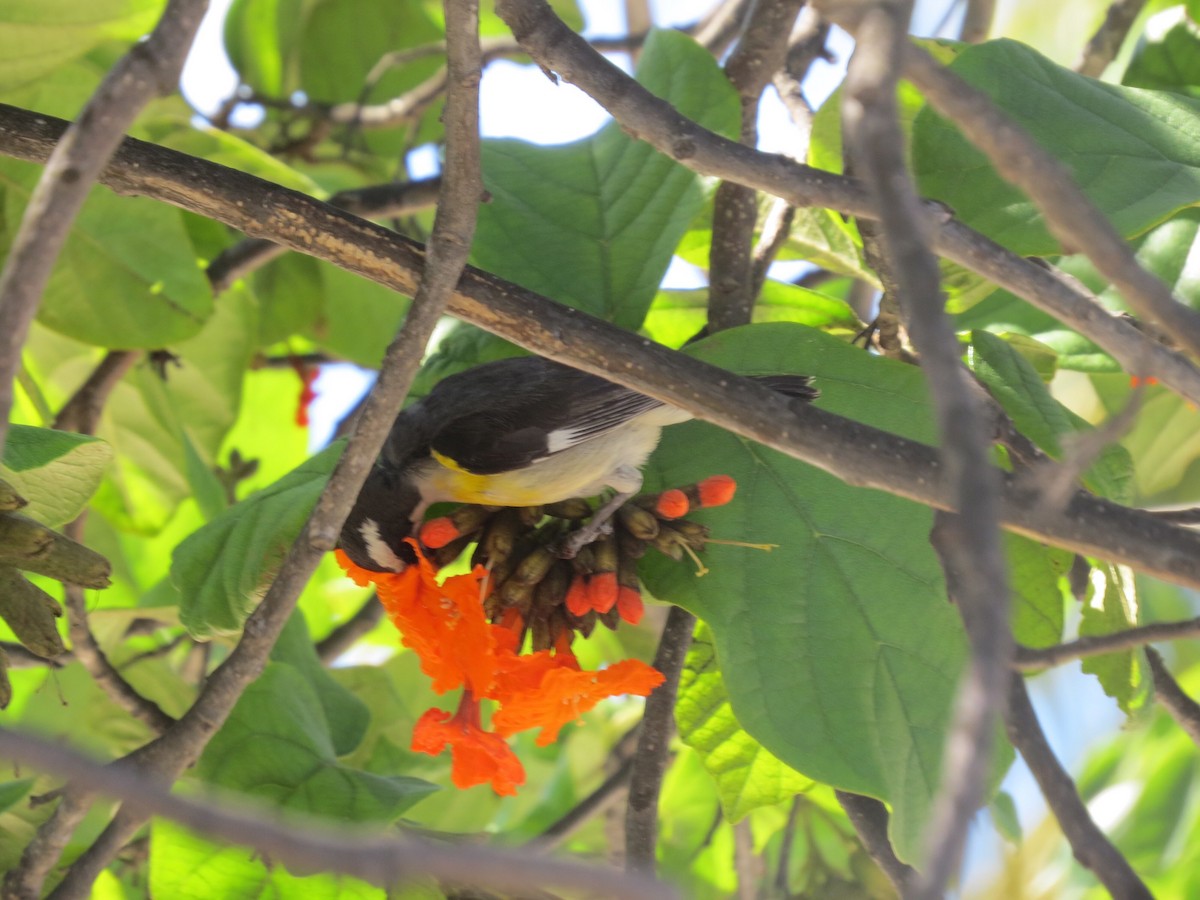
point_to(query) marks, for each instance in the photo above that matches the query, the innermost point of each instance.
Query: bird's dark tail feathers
(797, 386)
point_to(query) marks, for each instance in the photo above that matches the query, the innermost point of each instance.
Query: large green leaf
(39, 36)
(184, 866)
(223, 569)
(600, 218)
(840, 651)
(747, 774)
(277, 745)
(127, 276)
(1112, 606)
(1135, 153)
(56, 471)
(1035, 572)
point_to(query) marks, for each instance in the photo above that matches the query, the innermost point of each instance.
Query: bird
(523, 431)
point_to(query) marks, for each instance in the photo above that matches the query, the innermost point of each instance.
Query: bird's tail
(797, 386)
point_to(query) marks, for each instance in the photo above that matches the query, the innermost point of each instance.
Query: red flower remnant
(671, 504)
(565, 694)
(716, 490)
(308, 375)
(1137, 381)
(478, 756)
(438, 532)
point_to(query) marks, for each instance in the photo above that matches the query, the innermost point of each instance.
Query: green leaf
(1133, 152)
(748, 775)
(276, 745)
(127, 276)
(56, 471)
(1035, 571)
(347, 716)
(677, 316)
(167, 428)
(37, 37)
(600, 218)
(1168, 55)
(1112, 606)
(1004, 817)
(840, 651)
(1014, 382)
(223, 569)
(184, 866)
(13, 792)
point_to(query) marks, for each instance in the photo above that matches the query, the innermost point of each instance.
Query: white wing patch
(381, 554)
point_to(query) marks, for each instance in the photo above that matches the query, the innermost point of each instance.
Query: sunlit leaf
(56, 471)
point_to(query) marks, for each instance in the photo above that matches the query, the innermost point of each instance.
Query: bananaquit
(516, 432)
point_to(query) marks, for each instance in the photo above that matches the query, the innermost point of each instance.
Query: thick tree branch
(856, 453)
(371, 202)
(968, 542)
(1070, 216)
(654, 740)
(1088, 843)
(381, 860)
(150, 69)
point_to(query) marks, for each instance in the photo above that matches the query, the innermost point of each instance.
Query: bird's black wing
(512, 413)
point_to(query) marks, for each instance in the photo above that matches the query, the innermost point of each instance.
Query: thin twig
(1069, 214)
(1031, 659)
(1183, 709)
(806, 46)
(1088, 843)
(968, 542)
(347, 634)
(853, 452)
(81, 412)
(650, 761)
(1106, 43)
(380, 859)
(25, 880)
(870, 820)
(150, 69)
(599, 800)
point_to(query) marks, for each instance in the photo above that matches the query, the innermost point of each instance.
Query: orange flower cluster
(445, 625)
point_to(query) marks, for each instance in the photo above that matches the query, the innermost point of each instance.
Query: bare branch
(1070, 216)
(968, 542)
(150, 69)
(599, 800)
(1183, 709)
(379, 859)
(870, 820)
(856, 453)
(977, 20)
(759, 54)
(81, 412)
(347, 634)
(370, 202)
(1030, 659)
(650, 760)
(1088, 843)
(1106, 43)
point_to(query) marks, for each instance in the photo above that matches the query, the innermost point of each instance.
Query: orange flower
(444, 624)
(478, 756)
(566, 693)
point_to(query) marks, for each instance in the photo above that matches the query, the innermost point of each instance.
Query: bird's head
(374, 533)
